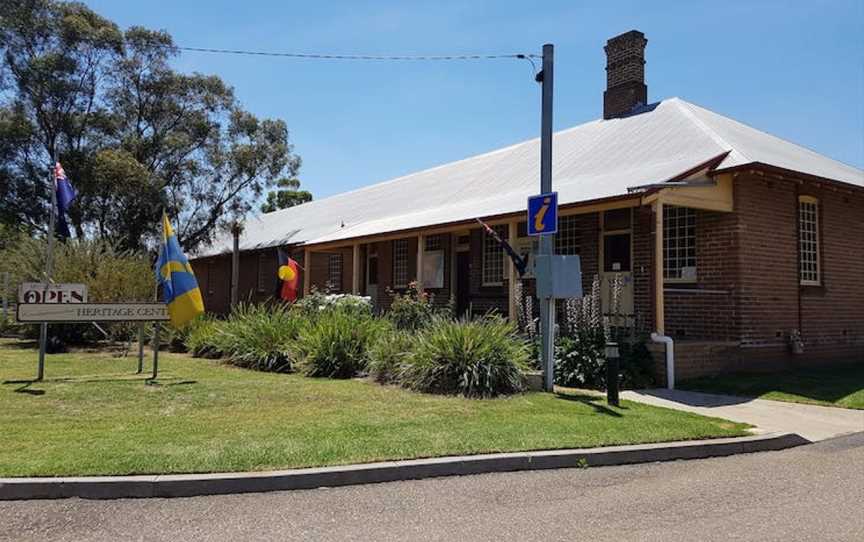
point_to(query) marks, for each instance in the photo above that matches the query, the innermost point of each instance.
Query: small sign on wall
(433, 269)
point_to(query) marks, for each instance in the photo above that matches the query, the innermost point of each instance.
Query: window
(400, 263)
(433, 242)
(679, 244)
(616, 253)
(567, 238)
(808, 240)
(493, 257)
(263, 276)
(334, 272)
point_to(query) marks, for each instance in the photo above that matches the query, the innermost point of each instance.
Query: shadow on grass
(828, 384)
(21, 345)
(25, 385)
(594, 401)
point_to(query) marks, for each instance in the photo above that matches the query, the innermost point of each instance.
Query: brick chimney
(625, 74)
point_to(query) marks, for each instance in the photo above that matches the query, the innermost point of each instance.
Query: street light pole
(547, 242)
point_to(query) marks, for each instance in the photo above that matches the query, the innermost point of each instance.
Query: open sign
(36, 292)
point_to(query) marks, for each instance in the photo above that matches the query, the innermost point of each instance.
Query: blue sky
(792, 68)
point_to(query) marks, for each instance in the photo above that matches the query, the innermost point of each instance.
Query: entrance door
(372, 278)
(616, 250)
(463, 285)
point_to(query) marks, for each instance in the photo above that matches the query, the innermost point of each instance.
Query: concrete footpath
(187, 485)
(812, 422)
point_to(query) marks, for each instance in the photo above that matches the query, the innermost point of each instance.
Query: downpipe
(670, 357)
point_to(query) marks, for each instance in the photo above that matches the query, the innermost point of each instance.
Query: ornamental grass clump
(336, 343)
(472, 358)
(389, 355)
(258, 336)
(201, 337)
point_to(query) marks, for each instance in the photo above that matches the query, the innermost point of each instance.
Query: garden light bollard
(612, 373)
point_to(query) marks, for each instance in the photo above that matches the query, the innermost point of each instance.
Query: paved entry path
(810, 421)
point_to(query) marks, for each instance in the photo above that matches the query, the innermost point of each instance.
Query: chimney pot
(625, 74)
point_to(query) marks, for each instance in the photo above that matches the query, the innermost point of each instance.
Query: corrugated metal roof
(591, 161)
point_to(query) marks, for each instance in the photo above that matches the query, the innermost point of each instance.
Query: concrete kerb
(189, 485)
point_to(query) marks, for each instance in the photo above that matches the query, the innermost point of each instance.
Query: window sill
(812, 289)
(680, 283)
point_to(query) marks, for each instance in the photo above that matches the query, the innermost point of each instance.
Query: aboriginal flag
(289, 276)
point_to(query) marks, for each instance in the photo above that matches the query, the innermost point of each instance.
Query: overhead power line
(325, 56)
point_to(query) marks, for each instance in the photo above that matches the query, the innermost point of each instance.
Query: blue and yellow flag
(174, 274)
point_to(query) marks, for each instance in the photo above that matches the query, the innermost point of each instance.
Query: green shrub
(336, 343)
(473, 358)
(388, 355)
(580, 362)
(258, 336)
(412, 310)
(201, 339)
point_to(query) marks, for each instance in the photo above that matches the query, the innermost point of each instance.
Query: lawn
(840, 385)
(93, 415)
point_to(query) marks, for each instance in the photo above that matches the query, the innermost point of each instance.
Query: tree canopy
(134, 135)
(288, 194)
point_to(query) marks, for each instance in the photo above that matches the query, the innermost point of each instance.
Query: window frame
(399, 248)
(667, 238)
(261, 279)
(568, 239)
(816, 241)
(339, 260)
(487, 242)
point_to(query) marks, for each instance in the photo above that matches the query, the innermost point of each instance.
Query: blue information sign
(543, 214)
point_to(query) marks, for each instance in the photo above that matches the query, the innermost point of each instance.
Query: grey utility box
(566, 273)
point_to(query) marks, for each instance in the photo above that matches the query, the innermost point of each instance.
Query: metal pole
(235, 266)
(155, 351)
(49, 262)
(5, 295)
(547, 242)
(140, 348)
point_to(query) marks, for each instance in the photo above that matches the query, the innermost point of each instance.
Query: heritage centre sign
(92, 312)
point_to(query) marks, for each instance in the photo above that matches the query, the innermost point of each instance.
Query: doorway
(372, 278)
(616, 262)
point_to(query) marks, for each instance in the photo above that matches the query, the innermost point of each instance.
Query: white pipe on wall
(670, 357)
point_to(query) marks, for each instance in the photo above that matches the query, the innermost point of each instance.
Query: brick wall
(707, 309)
(643, 269)
(830, 316)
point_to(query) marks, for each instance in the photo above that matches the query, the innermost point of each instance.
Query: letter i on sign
(538, 218)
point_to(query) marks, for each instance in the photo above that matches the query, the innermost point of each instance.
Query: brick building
(729, 240)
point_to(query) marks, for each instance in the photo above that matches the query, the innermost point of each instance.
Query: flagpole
(49, 263)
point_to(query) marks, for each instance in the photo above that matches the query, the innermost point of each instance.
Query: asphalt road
(814, 492)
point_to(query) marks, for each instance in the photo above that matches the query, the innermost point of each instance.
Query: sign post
(547, 238)
(49, 262)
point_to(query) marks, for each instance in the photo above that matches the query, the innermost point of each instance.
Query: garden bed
(93, 415)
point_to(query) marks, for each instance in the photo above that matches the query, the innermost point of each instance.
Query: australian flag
(65, 194)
